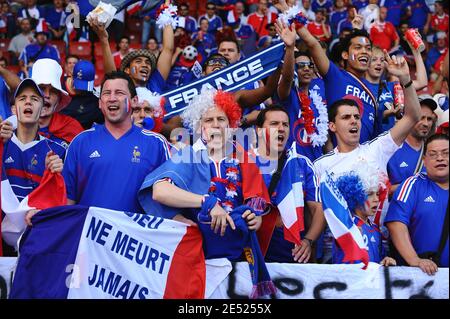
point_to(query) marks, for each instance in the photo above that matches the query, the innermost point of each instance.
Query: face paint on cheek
(267, 141)
(352, 57)
(127, 105)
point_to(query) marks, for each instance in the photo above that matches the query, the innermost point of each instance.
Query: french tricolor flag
(341, 223)
(288, 203)
(42, 26)
(134, 8)
(50, 192)
(97, 253)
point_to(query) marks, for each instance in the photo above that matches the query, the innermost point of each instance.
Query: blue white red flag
(134, 8)
(97, 253)
(340, 222)
(289, 200)
(51, 192)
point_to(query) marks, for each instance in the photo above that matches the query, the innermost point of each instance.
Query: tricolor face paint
(115, 101)
(359, 54)
(140, 69)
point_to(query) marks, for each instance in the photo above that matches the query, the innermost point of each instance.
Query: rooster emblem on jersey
(136, 155)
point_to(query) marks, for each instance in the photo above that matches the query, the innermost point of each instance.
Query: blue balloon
(148, 123)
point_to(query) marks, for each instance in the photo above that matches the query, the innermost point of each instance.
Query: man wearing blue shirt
(350, 82)
(215, 22)
(418, 15)
(271, 147)
(39, 50)
(106, 165)
(416, 215)
(407, 160)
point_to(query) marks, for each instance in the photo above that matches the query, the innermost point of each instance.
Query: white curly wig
(198, 106)
(372, 178)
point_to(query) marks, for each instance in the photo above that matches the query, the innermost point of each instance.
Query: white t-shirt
(376, 152)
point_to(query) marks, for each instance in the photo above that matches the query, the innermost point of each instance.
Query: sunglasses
(217, 61)
(302, 65)
(210, 8)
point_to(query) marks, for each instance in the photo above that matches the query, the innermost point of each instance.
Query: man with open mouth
(27, 154)
(54, 125)
(347, 82)
(281, 169)
(105, 166)
(345, 121)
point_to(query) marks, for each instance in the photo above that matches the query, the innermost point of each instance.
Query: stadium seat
(4, 44)
(135, 37)
(99, 65)
(60, 45)
(81, 49)
(98, 77)
(98, 48)
(135, 46)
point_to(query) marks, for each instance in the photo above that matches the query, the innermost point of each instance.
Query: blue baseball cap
(83, 76)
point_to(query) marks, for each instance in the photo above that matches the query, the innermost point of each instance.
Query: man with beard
(105, 166)
(407, 161)
(418, 215)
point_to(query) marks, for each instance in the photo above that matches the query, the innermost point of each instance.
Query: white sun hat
(48, 71)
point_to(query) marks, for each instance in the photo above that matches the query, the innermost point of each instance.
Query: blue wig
(352, 188)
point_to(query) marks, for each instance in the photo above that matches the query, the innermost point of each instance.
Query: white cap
(48, 71)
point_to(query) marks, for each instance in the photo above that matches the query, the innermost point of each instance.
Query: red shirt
(259, 22)
(316, 30)
(383, 35)
(440, 23)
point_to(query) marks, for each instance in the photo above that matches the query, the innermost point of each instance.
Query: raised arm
(102, 34)
(399, 68)
(287, 34)
(249, 98)
(165, 58)
(421, 80)
(317, 53)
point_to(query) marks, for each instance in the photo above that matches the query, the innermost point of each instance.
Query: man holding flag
(345, 121)
(282, 236)
(25, 159)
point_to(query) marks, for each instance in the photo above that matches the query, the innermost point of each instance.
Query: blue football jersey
(102, 171)
(24, 164)
(339, 84)
(403, 163)
(420, 204)
(372, 239)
